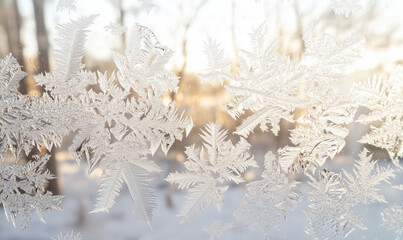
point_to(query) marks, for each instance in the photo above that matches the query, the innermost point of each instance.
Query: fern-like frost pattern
(118, 122)
(22, 185)
(217, 228)
(393, 218)
(345, 7)
(383, 96)
(129, 122)
(265, 83)
(22, 190)
(320, 132)
(67, 236)
(328, 214)
(267, 202)
(118, 119)
(210, 170)
(366, 175)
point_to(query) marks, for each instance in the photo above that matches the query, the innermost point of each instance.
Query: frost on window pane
(147, 5)
(345, 7)
(217, 228)
(328, 213)
(320, 132)
(383, 96)
(339, 195)
(67, 236)
(22, 190)
(367, 175)
(28, 121)
(118, 120)
(266, 83)
(267, 202)
(69, 79)
(22, 186)
(66, 5)
(128, 121)
(393, 218)
(210, 170)
(115, 29)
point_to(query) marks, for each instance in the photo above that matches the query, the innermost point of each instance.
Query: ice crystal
(266, 83)
(147, 5)
(118, 120)
(328, 214)
(338, 195)
(267, 202)
(27, 121)
(217, 228)
(66, 5)
(367, 175)
(383, 96)
(393, 218)
(67, 236)
(69, 80)
(210, 170)
(115, 29)
(345, 7)
(320, 132)
(22, 190)
(129, 122)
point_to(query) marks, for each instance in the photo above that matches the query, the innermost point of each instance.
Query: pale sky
(214, 19)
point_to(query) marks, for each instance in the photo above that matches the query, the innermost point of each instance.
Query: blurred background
(27, 30)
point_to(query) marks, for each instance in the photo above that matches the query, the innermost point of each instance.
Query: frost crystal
(217, 228)
(337, 196)
(210, 170)
(265, 83)
(328, 214)
(383, 96)
(147, 5)
(367, 175)
(115, 29)
(67, 236)
(66, 5)
(22, 190)
(267, 202)
(393, 218)
(129, 122)
(118, 120)
(69, 80)
(24, 123)
(345, 7)
(320, 132)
